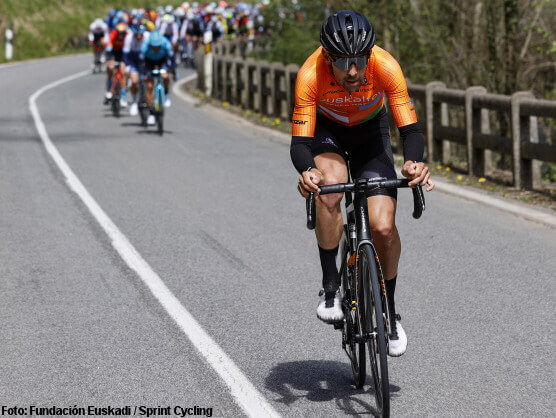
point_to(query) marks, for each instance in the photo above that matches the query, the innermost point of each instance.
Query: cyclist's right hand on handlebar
(309, 181)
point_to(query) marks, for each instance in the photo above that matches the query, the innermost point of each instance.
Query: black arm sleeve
(413, 142)
(300, 153)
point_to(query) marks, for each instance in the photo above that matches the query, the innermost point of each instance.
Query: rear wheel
(144, 114)
(375, 326)
(116, 100)
(352, 326)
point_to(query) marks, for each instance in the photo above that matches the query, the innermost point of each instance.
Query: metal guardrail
(269, 88)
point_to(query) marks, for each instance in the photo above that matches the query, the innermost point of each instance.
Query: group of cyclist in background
(135, 42)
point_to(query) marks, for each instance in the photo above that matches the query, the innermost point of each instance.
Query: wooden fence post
(475, 156)
(277, 76)
(429, 111)
(487, 155)
(226, 78)
(446, 145)
(234, 80)
(291, 76)
(263, 69)
(249, 75)
(520, 133)
(536, 177)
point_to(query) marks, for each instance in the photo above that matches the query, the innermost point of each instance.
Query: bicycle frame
(117, 77)
(159, 88)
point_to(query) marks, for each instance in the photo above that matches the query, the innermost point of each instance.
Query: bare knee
(385, 232)
(331, 201)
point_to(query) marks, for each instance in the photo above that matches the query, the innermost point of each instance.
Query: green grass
(44, 28)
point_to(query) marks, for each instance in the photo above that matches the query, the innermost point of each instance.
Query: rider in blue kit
(156, 52)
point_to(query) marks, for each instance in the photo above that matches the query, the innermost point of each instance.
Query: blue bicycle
(159, 99)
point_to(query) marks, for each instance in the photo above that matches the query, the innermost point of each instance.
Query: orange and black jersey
(317, 93)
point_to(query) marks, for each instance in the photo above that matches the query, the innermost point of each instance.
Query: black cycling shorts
(116, 55)
(366, 147)
(150, 64)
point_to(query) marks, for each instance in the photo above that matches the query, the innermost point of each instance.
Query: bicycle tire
(375, 324)
(352, 326)
(143, 113)
(160, 114)
(116, 100)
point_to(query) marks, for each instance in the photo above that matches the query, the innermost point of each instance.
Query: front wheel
(375, 327)
(160, 113)
(352, 326)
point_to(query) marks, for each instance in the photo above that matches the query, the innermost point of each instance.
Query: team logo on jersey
(332, 92)
(329, 141)
(351, 99)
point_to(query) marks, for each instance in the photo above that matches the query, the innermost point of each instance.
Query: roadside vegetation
(504, 45)
(44, 28)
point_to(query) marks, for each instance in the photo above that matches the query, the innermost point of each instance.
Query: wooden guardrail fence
(269, 88)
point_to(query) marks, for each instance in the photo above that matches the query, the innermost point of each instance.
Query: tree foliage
(504, 45)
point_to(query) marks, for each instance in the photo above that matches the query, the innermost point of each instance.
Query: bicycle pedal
(338, 325)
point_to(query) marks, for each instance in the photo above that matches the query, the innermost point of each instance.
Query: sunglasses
(344, 63)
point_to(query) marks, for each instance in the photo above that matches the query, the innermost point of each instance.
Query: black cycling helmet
(347, 33)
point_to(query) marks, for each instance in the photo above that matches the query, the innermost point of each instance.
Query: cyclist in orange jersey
(340, 117)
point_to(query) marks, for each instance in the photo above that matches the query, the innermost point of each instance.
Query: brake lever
(418, 201)
(311, 214)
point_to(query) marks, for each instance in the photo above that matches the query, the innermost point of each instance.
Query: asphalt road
(212, 207)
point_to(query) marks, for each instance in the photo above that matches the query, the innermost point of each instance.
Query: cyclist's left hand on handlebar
(308, 182)
(418, 173)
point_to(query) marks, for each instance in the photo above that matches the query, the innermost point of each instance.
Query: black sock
(330, 275)
(390, 289)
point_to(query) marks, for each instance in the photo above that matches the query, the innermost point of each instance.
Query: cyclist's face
(352, 79)
(155, 48)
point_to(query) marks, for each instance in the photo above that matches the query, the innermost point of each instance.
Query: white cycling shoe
(167, 102)
(151, 120)
(133, 110)
(108, 95)
(330, 310)
(123, 102)
(397, 340)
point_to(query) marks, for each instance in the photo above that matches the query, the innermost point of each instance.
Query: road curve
(212, 207)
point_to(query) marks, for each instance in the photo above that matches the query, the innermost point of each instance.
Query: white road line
(243, 391)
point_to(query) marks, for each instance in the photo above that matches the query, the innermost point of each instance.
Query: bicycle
(363, 294)
(159, 99)
(116, 89)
